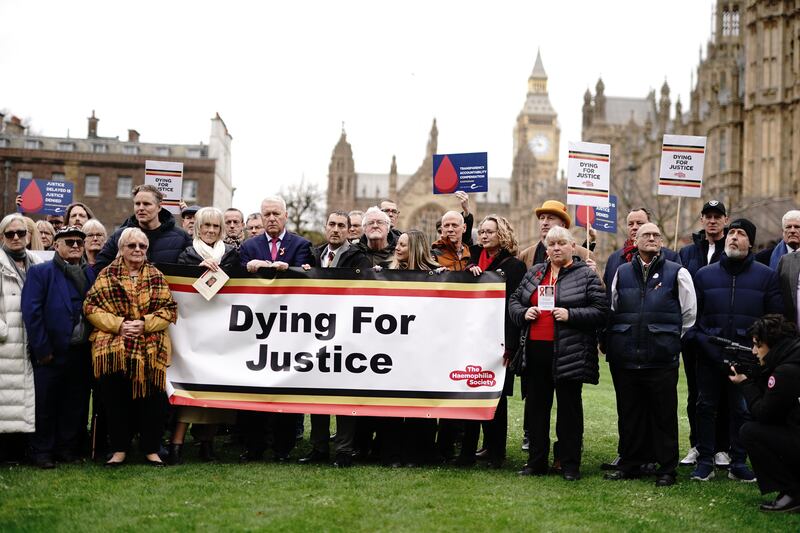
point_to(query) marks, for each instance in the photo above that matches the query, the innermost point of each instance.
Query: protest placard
(167, 177)
(45, 197)
(600, 218)
(460, 172)
(682, 159)
(588, 174)
(321, 342)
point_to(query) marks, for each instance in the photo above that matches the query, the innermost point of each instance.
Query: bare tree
(305, 203)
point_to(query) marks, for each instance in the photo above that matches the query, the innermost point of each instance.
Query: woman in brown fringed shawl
(130, 306)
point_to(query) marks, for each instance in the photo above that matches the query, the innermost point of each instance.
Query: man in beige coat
(552, 213)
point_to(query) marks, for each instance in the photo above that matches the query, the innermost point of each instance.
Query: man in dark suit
(58, 338)
(788, 274)
(279, 249)
(337, 252)
(276, 247)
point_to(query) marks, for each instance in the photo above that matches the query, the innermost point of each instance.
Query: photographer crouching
(772, 439)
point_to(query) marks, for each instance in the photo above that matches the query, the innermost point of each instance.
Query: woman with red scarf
(496, 251)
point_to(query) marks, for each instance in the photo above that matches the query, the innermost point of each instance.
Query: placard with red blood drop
(32, 198)
(584, 212)
(446, 178)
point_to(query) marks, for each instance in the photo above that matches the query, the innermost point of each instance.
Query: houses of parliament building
(745, 99)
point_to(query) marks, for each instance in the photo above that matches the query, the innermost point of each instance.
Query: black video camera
(738, 356)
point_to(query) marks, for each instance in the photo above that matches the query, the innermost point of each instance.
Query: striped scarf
(144, 359)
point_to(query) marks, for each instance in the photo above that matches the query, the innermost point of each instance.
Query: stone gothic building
(745, 99)
(533, 178)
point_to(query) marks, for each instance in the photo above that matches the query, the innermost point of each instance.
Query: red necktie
(273, 248)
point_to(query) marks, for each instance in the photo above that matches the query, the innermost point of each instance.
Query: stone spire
(433, 140)
(600, 101)
(587, 108)
(393, 179)
(537, 82)
(664, 105)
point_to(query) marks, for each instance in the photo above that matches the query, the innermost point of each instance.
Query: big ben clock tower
(536, 141)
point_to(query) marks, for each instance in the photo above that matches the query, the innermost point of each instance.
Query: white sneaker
(722, 460)
(691, 457)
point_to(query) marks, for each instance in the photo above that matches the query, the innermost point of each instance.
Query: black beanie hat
(747, 226)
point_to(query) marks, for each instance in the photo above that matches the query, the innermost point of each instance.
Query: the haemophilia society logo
(475, 376)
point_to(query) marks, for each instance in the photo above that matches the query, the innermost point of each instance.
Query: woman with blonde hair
(207, 250)
(96, 238)
(414, 253)
(409, 441)
(46, 233)
(130, 306)
(496, 251)
(17, 392)
(34, 239)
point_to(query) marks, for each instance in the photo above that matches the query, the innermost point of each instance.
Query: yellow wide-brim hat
(554, 207)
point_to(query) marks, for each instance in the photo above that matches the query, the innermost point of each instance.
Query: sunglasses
(135, 245)
(19, 233)
(74, 242)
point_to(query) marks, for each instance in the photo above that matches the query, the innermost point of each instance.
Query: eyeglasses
(376, 223)
(19, 233)
(648, 236)
(95, 235)
(391, 211)
(486, 232)
(135, 245)
(74, 242)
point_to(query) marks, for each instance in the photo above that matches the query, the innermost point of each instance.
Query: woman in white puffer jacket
(17, 405)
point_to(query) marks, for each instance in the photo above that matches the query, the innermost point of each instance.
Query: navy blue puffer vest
(645, 329)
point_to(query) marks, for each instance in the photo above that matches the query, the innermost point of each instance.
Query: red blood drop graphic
(446, 179)
(32, 199)
(581, 212)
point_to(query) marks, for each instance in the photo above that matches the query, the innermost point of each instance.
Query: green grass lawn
(230, 496)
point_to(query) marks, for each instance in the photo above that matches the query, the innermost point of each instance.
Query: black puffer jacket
(580, 292)
(166, 241)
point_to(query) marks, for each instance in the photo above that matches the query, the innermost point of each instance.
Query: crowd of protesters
(92, 323)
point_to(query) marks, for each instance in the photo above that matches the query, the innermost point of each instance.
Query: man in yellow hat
(552, 213)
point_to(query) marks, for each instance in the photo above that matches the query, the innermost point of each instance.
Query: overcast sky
(285, 75)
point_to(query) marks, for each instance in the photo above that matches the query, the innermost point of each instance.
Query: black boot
(174, 455)
(207, 454)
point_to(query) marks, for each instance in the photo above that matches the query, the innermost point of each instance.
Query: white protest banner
(588, 174)
(167, 177)
(682, 159)
(391, 343)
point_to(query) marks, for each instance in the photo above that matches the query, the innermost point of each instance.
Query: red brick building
(104, 170)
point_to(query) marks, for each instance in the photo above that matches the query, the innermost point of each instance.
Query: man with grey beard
(731, 294)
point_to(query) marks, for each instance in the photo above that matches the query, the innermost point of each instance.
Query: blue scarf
(780, 250)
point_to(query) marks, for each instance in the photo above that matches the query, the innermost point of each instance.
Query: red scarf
(627, 250)
(485, 260)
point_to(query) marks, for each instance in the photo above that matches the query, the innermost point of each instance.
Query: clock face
(539, 144)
